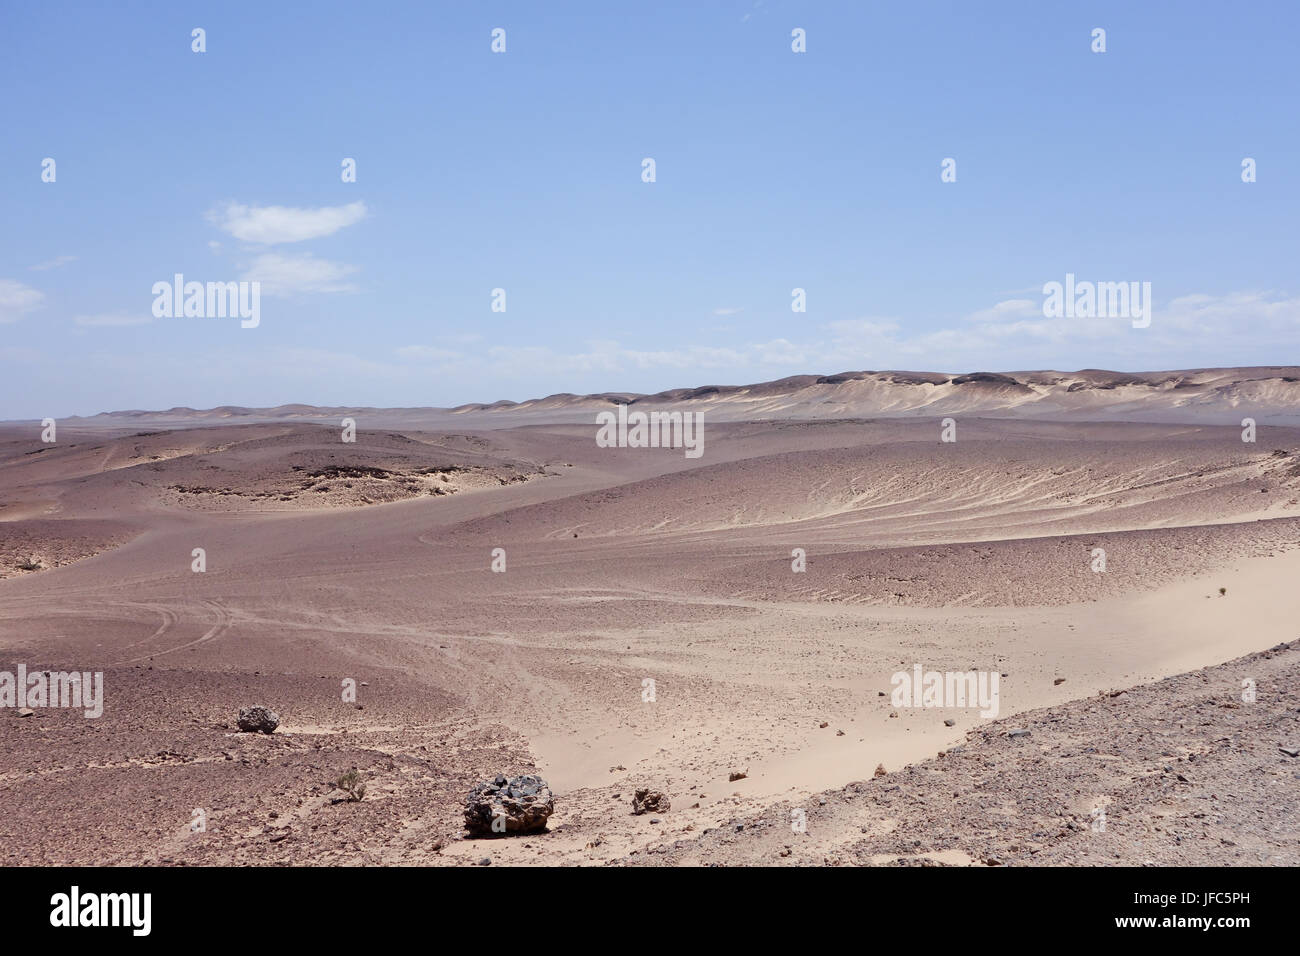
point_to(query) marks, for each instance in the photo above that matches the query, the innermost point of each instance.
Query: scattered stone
(1018, 732)
(518, 805)
(950, 722)
(1059, 680)
(1289, 751)
(25, 712)
(737, 775)
(258, 720)
(649, 801)
(486, 861)
(880, 770)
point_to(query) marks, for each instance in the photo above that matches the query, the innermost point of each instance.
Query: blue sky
(522, 171)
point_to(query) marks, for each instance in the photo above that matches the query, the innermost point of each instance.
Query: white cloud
(1190, 331)
(269, 225)
(728, 310)
(289, 275)
(54, 263)
(1008, 310)
(17, 299)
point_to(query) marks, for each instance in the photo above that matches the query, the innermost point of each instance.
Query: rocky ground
(627, 620)
(1179, 772)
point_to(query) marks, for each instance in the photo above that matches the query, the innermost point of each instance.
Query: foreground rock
(258, 720)
(649, 801)
(518, 805)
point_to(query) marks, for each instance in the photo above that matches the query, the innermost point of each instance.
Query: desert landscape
(715, 639)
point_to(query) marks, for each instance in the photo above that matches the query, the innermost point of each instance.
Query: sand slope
(622, 566)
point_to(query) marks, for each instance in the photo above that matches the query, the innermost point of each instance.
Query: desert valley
(503, 594)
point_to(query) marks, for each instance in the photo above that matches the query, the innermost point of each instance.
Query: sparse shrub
(352, 786)
(1222, 591)
(32, 564)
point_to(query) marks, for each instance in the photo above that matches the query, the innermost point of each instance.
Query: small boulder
(649, 801)
(517, 805)
(258, 720)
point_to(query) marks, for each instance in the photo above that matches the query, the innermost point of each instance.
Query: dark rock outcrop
(500, 806)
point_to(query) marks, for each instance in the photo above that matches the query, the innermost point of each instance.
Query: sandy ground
(372, 562)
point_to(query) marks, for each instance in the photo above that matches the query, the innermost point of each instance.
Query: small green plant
(1222, 591)
(352, 786)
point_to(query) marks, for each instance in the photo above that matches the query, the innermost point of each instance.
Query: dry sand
(372, 562)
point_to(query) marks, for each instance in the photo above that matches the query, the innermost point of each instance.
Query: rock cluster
(517, 805)
(649, 801)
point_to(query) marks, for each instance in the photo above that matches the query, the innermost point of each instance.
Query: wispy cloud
(1009, 310)
(55, 263)
(282, 275)
(16, 300)
(1006, 336)
(271, 225)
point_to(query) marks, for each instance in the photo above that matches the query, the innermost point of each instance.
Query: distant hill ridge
(1213, 394)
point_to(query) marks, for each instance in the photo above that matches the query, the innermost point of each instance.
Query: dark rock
(518, 805)
(258, 720)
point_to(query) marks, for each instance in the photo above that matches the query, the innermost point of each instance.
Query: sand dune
(1196, 396)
